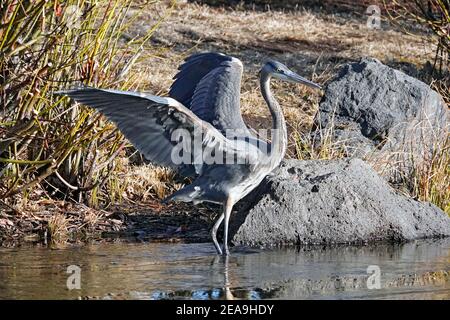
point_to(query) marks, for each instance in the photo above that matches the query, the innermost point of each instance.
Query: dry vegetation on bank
(314, 43)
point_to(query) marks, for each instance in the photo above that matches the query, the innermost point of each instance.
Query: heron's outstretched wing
(209, 84)
(149, 123)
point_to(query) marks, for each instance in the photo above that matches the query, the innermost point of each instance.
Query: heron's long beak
(292, 76)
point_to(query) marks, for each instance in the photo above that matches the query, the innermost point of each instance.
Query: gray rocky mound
(330, 202)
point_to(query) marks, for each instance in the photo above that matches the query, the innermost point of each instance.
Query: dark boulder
(382, 115)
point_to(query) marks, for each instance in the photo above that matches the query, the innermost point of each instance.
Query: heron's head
(280, 71)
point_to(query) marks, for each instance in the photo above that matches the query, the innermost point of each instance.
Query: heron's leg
(228, 206)
(214, 232)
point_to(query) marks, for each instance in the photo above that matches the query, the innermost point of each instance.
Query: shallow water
(416, 270)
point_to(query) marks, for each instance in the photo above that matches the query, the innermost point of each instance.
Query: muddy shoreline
(68, 223)
(149, 222)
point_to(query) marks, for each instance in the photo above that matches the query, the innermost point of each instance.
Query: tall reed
(48, 143)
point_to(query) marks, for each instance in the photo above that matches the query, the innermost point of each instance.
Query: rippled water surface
(417, 270)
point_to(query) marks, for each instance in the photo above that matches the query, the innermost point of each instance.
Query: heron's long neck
(279, 132)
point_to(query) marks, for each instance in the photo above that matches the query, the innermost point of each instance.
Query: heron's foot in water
(219, 250)
(226, 250)
(216, 243)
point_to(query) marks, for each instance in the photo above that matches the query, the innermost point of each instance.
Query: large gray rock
(332, 201)
(383, 115)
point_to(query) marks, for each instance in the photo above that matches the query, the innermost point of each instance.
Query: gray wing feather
(191, 72)
(210, 84)
(148, 123)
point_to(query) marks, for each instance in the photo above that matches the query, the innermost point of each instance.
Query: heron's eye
(280, 70)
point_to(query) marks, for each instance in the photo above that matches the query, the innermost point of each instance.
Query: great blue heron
(204, 101)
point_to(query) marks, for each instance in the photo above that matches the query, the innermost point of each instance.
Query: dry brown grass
(430, 179)
(58, 226)
(312, 43)
(142, 182)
